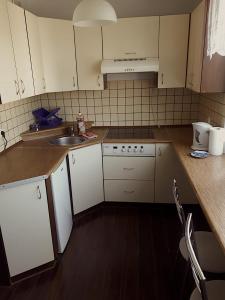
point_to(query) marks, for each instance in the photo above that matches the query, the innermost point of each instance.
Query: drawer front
(140, 168)
(129, 191)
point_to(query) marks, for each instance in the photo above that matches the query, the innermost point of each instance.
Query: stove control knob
(129, 149)
(142, 149)
(135, 149)
(123, 149)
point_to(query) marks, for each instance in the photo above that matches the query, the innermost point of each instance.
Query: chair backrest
(179, 207)
(197, 272)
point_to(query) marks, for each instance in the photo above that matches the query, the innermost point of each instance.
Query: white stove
(122, 148)
(132, 149)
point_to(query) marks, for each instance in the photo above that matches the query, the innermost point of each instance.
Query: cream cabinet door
(86, 177)
(58, 52)
(196, 47)
(21, 49)
(173, 48)
(169, 167)
(131, 38)
(89, 57)
(164, 175)
(9, 88)
(25, 226)
(35, 52)
(186, 192)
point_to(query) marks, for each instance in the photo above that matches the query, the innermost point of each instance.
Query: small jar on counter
(81, 124)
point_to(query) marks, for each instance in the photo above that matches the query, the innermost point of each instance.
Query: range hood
(131, 65)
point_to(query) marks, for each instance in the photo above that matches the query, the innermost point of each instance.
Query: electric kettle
(201, 136)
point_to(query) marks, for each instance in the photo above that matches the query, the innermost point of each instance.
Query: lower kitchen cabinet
(168, 167)
(86, 177)
(129, 191)
(138, 168)
(25, 226)
(129, 179)
(164, 173)
(186, 192)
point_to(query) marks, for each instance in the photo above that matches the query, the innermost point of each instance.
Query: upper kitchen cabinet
(173, 48)
(131, 38)
(89, 57)
(21, 50)
(196, 47)
(9, 87)
(204, 74)
(35, 52)
(58, 52)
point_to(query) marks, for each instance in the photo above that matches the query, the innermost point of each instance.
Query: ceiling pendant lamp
(90, 13)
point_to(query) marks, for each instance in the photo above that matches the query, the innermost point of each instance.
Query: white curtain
(216, 28)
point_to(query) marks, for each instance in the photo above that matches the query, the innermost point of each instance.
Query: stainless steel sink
(67, 140)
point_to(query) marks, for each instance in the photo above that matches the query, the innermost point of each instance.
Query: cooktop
(130, 133)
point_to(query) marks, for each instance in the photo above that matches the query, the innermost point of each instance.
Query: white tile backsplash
(128, 103)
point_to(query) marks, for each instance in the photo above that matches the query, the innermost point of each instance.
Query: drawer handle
(128, 169)
(38, 192)
(128, 192)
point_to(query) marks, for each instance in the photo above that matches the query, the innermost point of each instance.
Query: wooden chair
(205, 290)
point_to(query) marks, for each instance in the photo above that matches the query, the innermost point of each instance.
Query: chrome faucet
(73, 129)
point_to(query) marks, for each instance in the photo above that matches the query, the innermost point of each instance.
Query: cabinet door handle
(128, 169)
(44, 84)
(73, 160)
(128, 192)
(74, 84)
(99, 77)
(38, 192)
(17, 87)
(159, 152)
(22, 86)
(162, 78)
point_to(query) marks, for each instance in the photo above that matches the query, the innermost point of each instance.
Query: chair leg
(182, 294)
(178, 279)
(173, 272)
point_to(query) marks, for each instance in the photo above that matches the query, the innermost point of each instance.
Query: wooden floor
(116, 252)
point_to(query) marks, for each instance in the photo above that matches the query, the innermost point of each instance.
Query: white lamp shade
(94, 13)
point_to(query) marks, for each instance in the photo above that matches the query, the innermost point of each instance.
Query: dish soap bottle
(80, 124)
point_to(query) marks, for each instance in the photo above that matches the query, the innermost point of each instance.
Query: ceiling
(63, 9)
